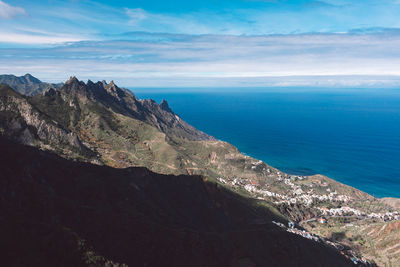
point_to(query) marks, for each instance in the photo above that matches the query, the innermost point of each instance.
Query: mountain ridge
(122, 131)
(27, 84)
(25, 123)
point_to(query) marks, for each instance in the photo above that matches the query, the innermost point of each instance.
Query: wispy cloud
(177, 60)
(36, 39)
(7, 11)
(204, 42)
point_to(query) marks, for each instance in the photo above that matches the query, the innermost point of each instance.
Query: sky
(217, 43)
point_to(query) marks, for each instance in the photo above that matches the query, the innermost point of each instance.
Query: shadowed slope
(64, 213)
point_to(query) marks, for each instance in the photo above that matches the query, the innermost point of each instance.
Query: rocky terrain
(22, 122)
(104, 124)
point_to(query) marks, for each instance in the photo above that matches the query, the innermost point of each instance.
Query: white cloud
(36, 39)
(146, 59)
(7, 11)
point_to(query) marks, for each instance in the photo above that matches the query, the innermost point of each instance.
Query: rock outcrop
(20, 120)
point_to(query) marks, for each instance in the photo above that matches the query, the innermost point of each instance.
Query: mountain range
(27, 84)
(131, 183)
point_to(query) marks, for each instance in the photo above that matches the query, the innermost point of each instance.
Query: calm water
(352, 136)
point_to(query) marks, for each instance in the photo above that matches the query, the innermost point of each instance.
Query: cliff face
(23, 122)
(57, 212)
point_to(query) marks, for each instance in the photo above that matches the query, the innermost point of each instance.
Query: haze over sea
(350, 135)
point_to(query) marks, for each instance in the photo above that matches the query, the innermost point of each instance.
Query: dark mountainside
(57, 212)
(27, 84)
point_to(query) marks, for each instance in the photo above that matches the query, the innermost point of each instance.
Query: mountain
(110, 126)
(27, 84)
(57, 212)
(22, 122)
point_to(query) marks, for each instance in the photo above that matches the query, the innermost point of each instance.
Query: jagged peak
(72, 80)
(75, 87)
(164, 105)
(112, 86)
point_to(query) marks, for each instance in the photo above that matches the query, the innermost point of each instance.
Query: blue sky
(204, 43)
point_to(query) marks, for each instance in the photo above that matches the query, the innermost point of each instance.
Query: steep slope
(27, 84)
(122, 129)
(127, 132)
(382, 242)
(21, 121)
(57, 212)
(122, 101)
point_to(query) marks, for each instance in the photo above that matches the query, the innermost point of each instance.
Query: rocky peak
(112, 87)
(75, 88)
(72, 80)
(164, 106)
(28, 77)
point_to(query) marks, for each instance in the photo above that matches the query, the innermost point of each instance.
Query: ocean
(350, 135)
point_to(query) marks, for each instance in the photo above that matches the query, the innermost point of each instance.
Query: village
(297, 195)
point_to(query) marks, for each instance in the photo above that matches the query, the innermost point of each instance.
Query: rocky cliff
(21, 121)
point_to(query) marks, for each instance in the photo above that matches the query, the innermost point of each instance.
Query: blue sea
(350, 135)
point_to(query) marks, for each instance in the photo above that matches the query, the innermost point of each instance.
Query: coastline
(312, 133)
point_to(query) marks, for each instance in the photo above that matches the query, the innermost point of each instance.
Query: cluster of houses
(252, 189)
(309, 197)
(299, 196)
(306, 198)
(347, 211)
(388, 216)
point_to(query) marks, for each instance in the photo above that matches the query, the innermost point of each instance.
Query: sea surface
(350, 135)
